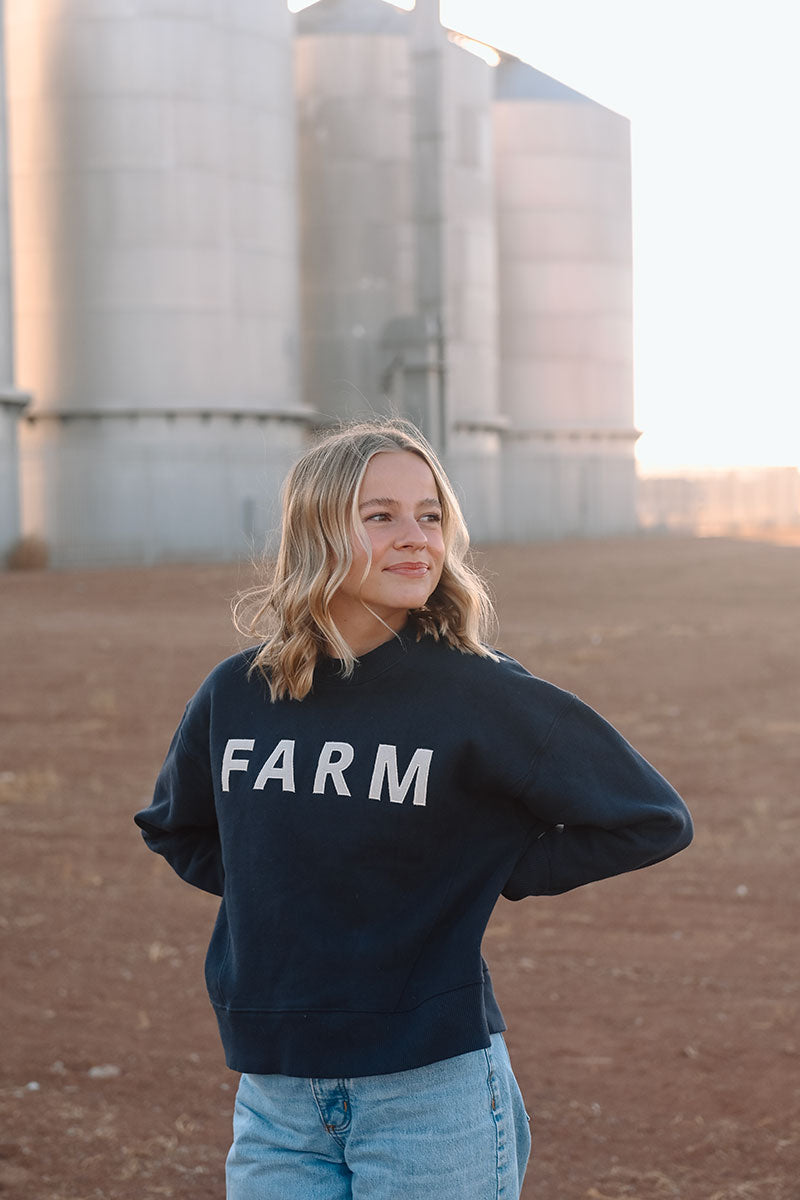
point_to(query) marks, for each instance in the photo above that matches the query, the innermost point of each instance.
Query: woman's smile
(409, 568)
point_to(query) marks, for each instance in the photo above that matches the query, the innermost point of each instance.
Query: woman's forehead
(400, 471)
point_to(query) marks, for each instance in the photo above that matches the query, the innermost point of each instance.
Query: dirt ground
(653, 1019)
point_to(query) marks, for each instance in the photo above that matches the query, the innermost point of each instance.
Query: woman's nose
(411, 533)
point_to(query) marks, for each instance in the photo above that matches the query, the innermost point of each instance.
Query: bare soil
(653, 1019)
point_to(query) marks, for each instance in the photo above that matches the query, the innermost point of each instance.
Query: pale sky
(712, 90)
(713, 93)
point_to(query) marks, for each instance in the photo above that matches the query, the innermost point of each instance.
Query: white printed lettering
(229, 763)
(333, 767)
(386, 765)
(279, 765)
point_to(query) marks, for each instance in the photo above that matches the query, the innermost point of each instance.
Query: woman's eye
(431, 518)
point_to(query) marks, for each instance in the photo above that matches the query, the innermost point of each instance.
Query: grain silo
(397, 231)
(457, 277)
(564, 260)
(463, 242)
(11, 400)
(156, 292)
(354, 118)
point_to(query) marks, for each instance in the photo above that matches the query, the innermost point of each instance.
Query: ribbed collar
(328, 672)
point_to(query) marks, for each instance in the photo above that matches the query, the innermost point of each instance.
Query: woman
(359, 789)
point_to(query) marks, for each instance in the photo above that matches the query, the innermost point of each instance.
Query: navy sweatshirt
(359, 839)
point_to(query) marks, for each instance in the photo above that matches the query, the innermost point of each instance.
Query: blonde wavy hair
(290, 614)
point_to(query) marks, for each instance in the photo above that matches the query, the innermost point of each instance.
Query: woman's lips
(408, 568)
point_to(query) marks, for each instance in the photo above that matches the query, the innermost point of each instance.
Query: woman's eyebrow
(387, 502)
(384, 500)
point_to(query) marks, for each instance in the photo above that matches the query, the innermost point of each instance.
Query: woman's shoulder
(494, 672)
(233, 671)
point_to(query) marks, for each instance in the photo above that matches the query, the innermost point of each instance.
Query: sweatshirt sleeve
(604, 808)
(181, 822)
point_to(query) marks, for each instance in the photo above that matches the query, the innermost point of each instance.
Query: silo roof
(518, 80)
(351, 16)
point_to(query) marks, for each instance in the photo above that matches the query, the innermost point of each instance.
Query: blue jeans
(454, 1130)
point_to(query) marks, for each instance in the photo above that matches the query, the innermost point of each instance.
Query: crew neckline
(328, 671)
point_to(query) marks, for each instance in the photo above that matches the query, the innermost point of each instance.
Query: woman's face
(400, 513)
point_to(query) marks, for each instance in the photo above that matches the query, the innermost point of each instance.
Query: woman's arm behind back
(607, 809)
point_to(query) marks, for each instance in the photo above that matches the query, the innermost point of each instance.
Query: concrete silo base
(141, 488)
(568, 485)
(474, 464)
(12, 403)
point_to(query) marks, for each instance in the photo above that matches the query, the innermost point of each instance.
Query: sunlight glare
(479, 49)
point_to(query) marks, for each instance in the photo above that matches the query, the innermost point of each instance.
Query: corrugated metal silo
(354, 98)
(11, 400)
(153, 183)
(397, 231)
(457, 272)
(565, 261)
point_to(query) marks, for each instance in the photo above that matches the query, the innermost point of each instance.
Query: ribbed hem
(342, 1045)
